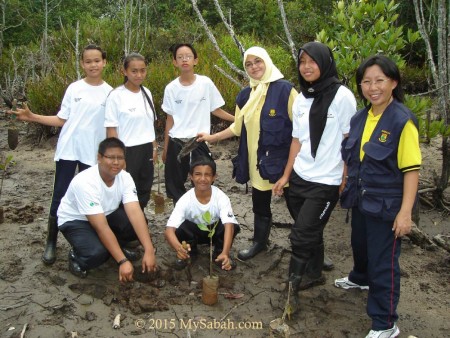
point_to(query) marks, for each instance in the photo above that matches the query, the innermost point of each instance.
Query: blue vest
(275, 134)
(375, 184)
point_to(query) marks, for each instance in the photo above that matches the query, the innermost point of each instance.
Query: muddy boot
(297, 267)
(313, 273)
(49, 255)
(74, 266)
(261, 236)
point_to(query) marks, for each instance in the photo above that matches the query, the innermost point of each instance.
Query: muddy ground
(53, 303)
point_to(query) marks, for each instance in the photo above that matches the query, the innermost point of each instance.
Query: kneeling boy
(189, 213)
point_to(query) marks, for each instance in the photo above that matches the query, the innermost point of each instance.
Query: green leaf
(203, 227)
(207, 217)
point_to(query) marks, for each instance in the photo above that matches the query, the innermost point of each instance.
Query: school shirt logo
(178, 101)
(272, 113)
(93, 204)
(77, 99)
(384, 136)
(132, 110)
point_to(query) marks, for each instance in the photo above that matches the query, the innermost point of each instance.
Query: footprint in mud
(23, 214)
(10, 271)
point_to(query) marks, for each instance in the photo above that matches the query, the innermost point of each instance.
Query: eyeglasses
(256, 63)
(185, 57)
(377, 83)
(114, 158)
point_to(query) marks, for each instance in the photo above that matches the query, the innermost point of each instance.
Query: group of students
(313, 147)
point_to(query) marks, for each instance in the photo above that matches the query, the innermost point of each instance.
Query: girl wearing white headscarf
(263, 119)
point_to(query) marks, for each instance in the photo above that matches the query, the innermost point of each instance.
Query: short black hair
(110, 142)
(388, 67)
(95, 47)
(203, 161)
(174, 48)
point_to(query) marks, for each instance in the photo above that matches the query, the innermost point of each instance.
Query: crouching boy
(189, 213)
(95, 224)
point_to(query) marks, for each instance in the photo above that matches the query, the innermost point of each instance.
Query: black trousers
(175, 173)
(139, 161)
(261, 202)
(191, 233)
(64, 173)
(89, 250)
(312, 204)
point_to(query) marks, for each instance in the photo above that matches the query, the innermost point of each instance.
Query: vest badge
(384, 136)
(272, 113)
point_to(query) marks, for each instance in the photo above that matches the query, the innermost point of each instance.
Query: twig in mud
(237, 305)
(10, 307)
(22, 334)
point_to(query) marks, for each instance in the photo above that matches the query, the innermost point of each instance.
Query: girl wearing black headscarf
(315, 170)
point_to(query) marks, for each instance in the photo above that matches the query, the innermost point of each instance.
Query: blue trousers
(375, 254)
(64, 173)
(89, 250)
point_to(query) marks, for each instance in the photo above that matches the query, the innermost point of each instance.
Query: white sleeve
(178, 215)
(296, 117)
(346, 108)
(112, 109)
(225, 209)
(215, 97)
(64, 111)
(167, 99)
(129, 193)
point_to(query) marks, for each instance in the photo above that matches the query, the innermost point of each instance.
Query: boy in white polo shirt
(189, 211)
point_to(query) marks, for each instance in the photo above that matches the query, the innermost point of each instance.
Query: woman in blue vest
(321, 118)
(383, 158)
(263, 120)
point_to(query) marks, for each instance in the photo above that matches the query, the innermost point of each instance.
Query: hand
(155, 158)
(23, 114)
(277, 188)
(183, 253)
(226, 261)
(342, 186)
(149, 261)
(204, 137)
(402, 224)
(126, 272)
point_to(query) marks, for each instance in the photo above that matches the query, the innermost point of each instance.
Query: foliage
(375, 24)
(211, 229)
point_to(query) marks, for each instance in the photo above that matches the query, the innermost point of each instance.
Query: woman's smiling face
(255, 67)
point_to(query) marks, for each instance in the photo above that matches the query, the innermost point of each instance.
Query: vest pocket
(385, 207)
(272, 132)
(271, 165)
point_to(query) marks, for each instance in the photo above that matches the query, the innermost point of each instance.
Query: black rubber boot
(297, 267)
(74, 267)
(49, 256)
(262, 227)
(313, 273)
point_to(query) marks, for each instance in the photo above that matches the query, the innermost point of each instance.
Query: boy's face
(202, 177)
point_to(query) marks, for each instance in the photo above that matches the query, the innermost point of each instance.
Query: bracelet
(119, 263)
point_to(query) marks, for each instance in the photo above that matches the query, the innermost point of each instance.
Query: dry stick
(10, 307)
(242, 303)
(22, 334)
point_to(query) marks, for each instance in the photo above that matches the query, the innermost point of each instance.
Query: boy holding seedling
(199, 210)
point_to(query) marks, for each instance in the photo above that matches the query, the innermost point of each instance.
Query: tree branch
(214, 41)
(229, 27)
(286, 30)
(229, 77)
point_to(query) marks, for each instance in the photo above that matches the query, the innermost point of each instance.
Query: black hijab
(323, 90)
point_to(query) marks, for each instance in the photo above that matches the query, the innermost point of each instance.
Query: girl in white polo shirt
(81, 117)
(130, 116)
